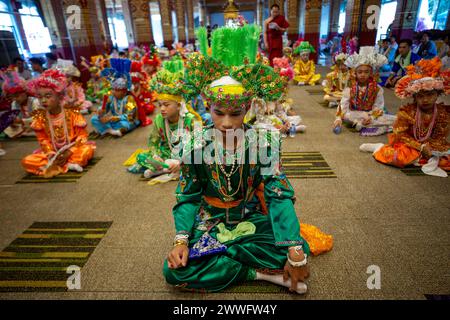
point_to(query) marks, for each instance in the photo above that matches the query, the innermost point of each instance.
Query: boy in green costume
(239, 197)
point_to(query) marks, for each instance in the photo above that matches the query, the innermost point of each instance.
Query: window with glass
(174, 26)
(116, 23)
(8, 23)
(432, 15)
(386, 19)
(38, 36)
(342, 16)
(155, 19)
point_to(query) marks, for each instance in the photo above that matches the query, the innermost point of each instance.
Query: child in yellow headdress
(168, 128)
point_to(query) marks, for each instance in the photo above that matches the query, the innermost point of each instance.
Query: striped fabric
(38, 259)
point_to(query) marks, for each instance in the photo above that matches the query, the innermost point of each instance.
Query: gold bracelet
(180, 243)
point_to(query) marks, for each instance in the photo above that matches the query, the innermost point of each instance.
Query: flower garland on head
(50, 79)
(231, 77)
(167, 83)
(13, 83)
(425, 75)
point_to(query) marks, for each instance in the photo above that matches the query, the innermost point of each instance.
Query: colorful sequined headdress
(167, 83)
(340, 58)
(118, 74)
(50, 79)
(13, 83)
(367, 56)
(230, 76)
(425, 75)
(304, 46)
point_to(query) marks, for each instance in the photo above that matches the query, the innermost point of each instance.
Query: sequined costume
(359, 103)
(334, 84)
(124, 111)
(96, 89)
(404, 149)
(217, 196)
(266, 200)
(159, 141)
(55, 132)
(306, 72)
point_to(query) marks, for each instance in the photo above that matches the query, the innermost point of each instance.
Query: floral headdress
(283, 64)
(67, 67)
(230, 76)
(340, 58)
(167, 83)
(49, 79)
(367, 56)
(425, 75)
(13, 83)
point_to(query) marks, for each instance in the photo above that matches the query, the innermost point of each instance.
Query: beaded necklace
(421, 134)
(228, 175)
(169, 133)
(56, 144)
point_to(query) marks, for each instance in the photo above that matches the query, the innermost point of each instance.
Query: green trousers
(244, 256)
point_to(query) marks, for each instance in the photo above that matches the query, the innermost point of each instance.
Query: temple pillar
(292, 17)
(166, 20)
(190, 21)
(313, 11)
(140, 18)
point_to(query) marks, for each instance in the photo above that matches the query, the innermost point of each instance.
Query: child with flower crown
(234, 220)
(420, 135)
(61, 132)
(305, 69)
(362, 103)
(15, 89)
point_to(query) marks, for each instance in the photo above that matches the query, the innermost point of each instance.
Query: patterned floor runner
(38, 259)
(96, 136)
(306, 165)
(69, 177)
(300, 165)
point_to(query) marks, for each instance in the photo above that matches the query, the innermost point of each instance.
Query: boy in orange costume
(422, 127)
(61, 132)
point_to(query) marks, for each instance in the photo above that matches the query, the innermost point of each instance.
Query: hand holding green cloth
(242, 229)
